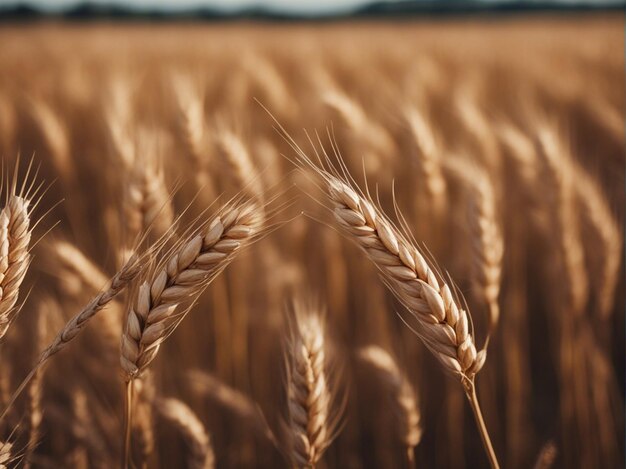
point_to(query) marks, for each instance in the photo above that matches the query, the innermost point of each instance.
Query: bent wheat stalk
(184, 272)
(444, 326)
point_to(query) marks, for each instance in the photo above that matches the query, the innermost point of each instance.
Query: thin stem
(127, 422)
(470, 392)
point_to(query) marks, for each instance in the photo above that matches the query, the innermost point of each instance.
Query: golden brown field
(182, 286)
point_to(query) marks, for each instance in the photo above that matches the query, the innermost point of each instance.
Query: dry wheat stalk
(558, 176)
(241, 167)
(190, 103)
(190, 267)
(444, 327)
(403, 397)
(185, 421)
(442, 324)
(147, 202)
(143, 423)
(374, 137)
(486, 241)
(477, 124)
(35, 390)
(605, 234)
(120, 118)
(15, 234)
(54, 132)
(428, 160)
(180, 277)
(310, 422)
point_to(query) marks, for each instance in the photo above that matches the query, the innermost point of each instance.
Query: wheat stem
(470, 391)
(128, 422)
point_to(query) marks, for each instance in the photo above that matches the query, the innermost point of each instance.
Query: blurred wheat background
(493, 153)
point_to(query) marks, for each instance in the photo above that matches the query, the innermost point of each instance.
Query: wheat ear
(185, 421)
(605, 233)
(444, 327)
(191, 122)
(181, 276)
(428, 160)
(15, 234)
(486, 241)
(241, 167)
(309, 394)
(403, 397)
(6, 455)
(558, 175)
(147, 202)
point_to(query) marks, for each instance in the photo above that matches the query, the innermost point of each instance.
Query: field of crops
(343, 245)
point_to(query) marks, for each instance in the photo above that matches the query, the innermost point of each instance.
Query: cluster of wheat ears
(187, 278)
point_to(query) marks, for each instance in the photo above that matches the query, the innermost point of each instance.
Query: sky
(291, 6)
(284, 6)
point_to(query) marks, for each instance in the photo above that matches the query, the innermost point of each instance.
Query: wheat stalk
(428, 161)
(558, 176)
(310, 422)
(185, 421)
(402, 396)
(190, 103)
(15, 234)
(241, 167)
(193, 264)
(182, 275)
(147, 202)
(444, 327)
(486, 240)
(605, 234)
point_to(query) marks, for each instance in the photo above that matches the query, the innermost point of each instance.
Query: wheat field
(344, 245)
